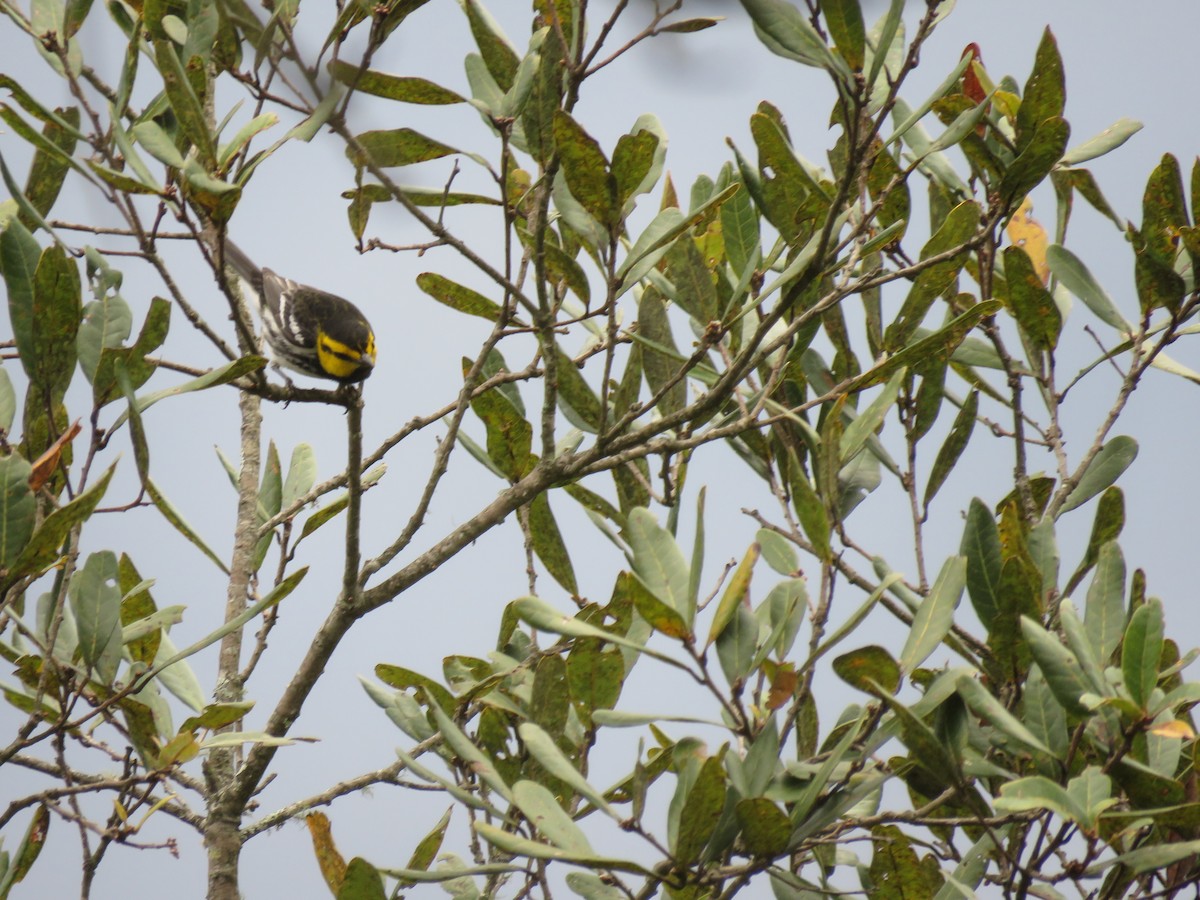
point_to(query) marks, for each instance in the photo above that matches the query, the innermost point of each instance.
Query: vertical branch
(354, 455)
(221, 832)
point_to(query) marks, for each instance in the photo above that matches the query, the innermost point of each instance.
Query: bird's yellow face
(344, 362)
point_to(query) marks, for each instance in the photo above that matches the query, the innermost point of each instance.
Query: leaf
(458, 297)
(1105, 468)
(1041, 155)
(1076, 278)
(302, 473)
(1032, 305)
(935, 348)
(735, 594)
(785, 32)
(701, 811)
(954, 445)
(549, 546)
(544, 749)
(1106, 141)
(868, 666)
(1064, 675)
(543, 811)
(1044, 96)
(896, 872)
(935, 616)
(172, 515)
(659, 562)
(43, 547)
(1141, 650)
(765, 827)
(1104, 613)
(867, 423)
(586, 170)
(48, 172)
(393, 87)
(396, 147)
(1038, 793)
(18, 507)
(844, 20)
(96, 607)
(992, 711)
(362, 882)
(778, 551)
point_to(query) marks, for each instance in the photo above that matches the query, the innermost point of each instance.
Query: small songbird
(308, 330)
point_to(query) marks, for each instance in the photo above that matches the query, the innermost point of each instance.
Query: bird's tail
(241, 263)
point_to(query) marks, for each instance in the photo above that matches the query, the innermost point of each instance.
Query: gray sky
(704, 88)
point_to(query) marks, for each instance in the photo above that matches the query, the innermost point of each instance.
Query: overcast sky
(1119, 63)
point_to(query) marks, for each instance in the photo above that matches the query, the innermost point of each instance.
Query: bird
(308, 330)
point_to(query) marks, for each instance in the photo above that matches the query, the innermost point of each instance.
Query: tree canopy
(829, 331)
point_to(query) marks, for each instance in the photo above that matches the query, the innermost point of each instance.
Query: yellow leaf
(1176, 728)
(333, 865)
(1027, 233)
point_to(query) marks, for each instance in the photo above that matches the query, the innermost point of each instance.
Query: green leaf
(810, 510)
(43, 547)
(579, 402)
(393, 87)
(844, 20)
(172, 515)
(49, 169)
(992, 711)
(959, 226)
(8, 401)
(740, 231)
(397, 147)
(1105, 468)
(765, 827)
(544, 749)
(701, 811)
(1041, 155)
(586, 171)
(427, 848)
(1077, 279)
(362, 881)
(301, 475)
(659, 562)
(935, 615)
(18, 507)
(778, 551)
(1105, 142)
(1156, 857)
(1036, 793)
(896, 872)
(868, 666)
(954, 445)
(867, 423)
(498, 55)
(785, 32)
(1064, 675)
(541, 809)
(735, 595)
(737, 645)
(1104, 613)
(96, 607)
(1141, 651)
(19, 257)
(549, 546)
(458, 297)
(185, 104)
(633, 159)
(107, 323)
(930, 350)
(660, 368)
(49, 358)
(509, 434)
(1044, 96)
(1032, 305)
(1043, 714)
